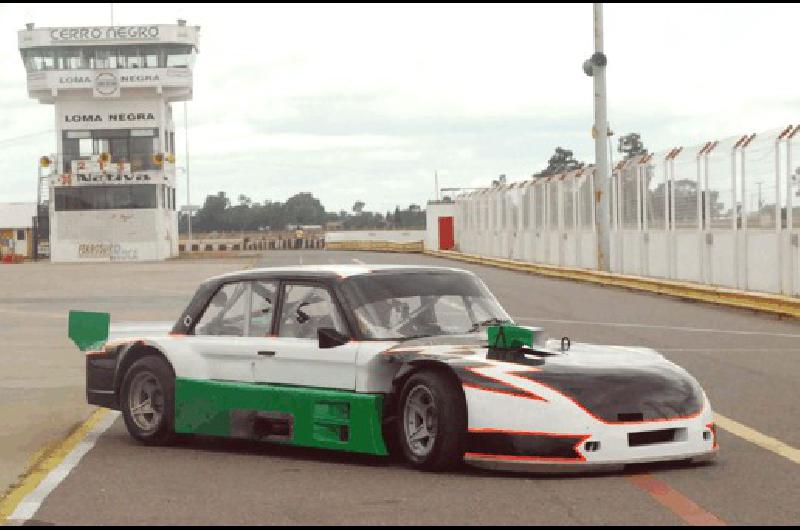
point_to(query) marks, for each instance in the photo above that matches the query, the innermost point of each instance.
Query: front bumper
(608, 447)
(522, 465)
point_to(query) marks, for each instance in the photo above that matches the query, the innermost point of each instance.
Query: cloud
(367, 101)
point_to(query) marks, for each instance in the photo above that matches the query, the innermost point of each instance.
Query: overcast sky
(366, 102)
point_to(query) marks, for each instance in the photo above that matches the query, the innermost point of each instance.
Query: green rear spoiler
(89, 330)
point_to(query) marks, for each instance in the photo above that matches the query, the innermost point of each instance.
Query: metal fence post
(745, 250)
(790, 210)
(777, 215)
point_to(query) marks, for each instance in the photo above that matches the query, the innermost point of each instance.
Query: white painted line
(29, 505)
(656, 326)
(748, 350)
(35, 314)
(358, 261)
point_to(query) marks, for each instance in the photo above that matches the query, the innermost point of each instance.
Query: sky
(367, 102)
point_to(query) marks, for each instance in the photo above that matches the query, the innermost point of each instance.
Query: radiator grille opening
(636, 439)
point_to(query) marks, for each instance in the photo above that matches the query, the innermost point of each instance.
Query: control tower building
(110, 188)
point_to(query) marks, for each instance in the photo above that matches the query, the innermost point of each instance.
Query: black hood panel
(621, 395)
(613, 384)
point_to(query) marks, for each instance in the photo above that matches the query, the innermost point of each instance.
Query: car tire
(147, 401)
(432, 421)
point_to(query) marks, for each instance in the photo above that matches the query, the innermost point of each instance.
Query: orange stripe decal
(675, 501)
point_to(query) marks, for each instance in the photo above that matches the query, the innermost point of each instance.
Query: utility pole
(436, 182)
(595, 67)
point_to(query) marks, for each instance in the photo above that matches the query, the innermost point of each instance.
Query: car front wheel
(433, 421)
(147, 401)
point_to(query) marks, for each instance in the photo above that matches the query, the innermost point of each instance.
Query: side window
(226, 313)
(452, 315)
(261, 308)
(307, 308)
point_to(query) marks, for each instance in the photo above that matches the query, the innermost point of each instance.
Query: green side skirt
(303, 416)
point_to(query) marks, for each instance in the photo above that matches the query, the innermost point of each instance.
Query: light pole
(188, 194)
(595, 67)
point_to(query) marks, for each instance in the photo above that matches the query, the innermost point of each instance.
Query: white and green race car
(421, 360)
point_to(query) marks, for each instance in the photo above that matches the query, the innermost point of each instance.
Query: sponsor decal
(111, 178)
(105, 33)
(74, 79)
(106, 82)
(106, 85)
(139, 78)
(112, 251)
(115, 117)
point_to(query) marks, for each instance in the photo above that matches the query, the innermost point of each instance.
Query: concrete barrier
(219, 254)
(203, 246)
(376, 246)
(376, 240)
(762, 302)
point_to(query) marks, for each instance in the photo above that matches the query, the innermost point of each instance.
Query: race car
(419, 360)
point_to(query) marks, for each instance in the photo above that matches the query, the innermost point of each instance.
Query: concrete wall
(436, 209)
(113, 235)
(392, 236)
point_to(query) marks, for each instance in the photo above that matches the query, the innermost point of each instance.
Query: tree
(304, 209)
(212, 215)
(241, 217)
(561, 162)
(217, 214)
(631, 145)
(412, 217)
(272, 215)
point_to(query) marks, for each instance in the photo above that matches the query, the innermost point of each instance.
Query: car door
(235, 328)
(296, 358)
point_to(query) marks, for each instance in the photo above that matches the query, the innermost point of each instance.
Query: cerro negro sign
(105, 33)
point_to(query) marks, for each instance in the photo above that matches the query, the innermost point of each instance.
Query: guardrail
(762, 302)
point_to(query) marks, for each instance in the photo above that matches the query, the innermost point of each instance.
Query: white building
(16, 223)
(112, 181)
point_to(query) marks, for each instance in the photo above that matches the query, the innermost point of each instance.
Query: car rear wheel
(147, 401)
(433, 421)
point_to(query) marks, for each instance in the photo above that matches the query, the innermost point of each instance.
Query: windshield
(411, 305)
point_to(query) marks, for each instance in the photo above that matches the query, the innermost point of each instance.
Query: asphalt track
(749, 365)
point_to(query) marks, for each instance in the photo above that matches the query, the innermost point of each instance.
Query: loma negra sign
(99, 118)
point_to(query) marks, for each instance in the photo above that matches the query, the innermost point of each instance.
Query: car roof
(330, 271)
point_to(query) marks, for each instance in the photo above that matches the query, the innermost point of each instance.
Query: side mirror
(330, 338)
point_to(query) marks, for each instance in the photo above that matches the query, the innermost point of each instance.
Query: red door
(447, 240)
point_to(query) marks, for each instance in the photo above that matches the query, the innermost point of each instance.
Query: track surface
(749, 365)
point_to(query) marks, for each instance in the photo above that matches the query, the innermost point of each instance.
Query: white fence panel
(724, 213)
(720, 258)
